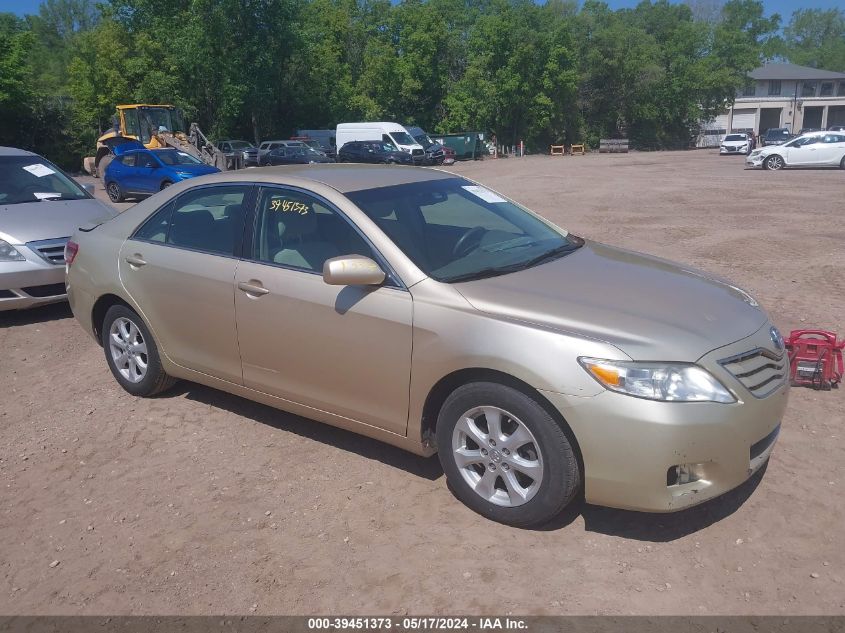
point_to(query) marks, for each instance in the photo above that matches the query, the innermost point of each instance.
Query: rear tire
(523, 473)
(131, 353)
(165, 185)
(842, 163)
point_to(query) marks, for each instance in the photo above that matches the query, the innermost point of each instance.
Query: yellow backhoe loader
(156, 126)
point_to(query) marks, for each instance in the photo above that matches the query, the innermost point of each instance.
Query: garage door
(743, 119)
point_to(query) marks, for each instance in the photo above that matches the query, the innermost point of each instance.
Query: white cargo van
(385, 131)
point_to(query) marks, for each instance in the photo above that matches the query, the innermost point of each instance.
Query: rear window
(31, 178)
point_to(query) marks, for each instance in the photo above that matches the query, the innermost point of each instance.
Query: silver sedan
(40, 207)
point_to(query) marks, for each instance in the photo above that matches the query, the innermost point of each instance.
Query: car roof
(343, 178)
(14, 151)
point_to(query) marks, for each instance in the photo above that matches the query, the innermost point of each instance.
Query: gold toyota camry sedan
(430, 312)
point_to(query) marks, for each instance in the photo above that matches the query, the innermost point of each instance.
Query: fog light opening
(681, 474)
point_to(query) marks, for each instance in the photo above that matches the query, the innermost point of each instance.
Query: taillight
(71, 249)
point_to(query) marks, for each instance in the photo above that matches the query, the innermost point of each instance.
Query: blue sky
(784, 7)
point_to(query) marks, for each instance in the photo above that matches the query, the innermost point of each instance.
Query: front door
(179, 268)
(804, 151)
(341, 349)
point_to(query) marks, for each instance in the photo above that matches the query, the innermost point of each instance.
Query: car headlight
(8, 253)
(756, 152)
(668, 382)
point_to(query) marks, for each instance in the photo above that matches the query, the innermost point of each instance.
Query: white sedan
(735, 144)
(816, 149)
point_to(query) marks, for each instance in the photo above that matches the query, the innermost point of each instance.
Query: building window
(841, 91)
(827, 89)
(808, 89)
(750, 90)
(774, 88)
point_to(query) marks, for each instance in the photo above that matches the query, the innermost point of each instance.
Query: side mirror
(89, 187)
(352, 270)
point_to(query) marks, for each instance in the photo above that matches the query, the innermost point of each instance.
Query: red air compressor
(815, 358)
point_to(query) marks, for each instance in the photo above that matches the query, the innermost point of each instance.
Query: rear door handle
(253, 288)
(136, 260)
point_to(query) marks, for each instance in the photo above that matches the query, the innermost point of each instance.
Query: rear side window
(209, 219)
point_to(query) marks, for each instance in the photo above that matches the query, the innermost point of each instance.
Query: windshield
(173, 157)
(240, 145)
(454, 230)
(424, 140)
(777, 133)
(154, 119)
(30, 178)
(735, 137)
(402, 138)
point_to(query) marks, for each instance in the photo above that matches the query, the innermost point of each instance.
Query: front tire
(505, 456)
(165, 185)
(842, 163)
(774, 162)
(131, 353)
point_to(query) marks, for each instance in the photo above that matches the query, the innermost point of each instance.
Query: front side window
(145, 159)
(175, 157)
(454, 230)
(208, 219)
(774, 88)
(130, 118)
(297, 230)
(402, 138)
(31, 178)
(386, 140)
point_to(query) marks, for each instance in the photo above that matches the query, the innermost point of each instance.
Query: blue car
(137, 171)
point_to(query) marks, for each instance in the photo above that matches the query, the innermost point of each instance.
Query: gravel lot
(201, 502)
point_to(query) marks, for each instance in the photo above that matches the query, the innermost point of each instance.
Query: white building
(782, 95)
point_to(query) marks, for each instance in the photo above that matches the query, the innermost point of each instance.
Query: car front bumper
(754, 161)
(630, 445)
(30, 283)
(733, 150)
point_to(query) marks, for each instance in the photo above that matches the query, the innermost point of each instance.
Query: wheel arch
(98, 312)
(445, 386)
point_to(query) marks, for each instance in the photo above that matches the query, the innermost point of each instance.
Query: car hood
(195, 170)
(650, 308)
(31, 221)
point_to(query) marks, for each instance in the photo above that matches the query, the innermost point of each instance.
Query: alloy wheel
(498, 456)
(774, 162)
(128, 349)
(114, 191)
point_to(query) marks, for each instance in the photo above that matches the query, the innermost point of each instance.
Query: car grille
(51, 251)
(760, 371)
(417, 152)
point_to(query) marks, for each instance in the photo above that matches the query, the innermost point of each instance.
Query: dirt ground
(201, 502)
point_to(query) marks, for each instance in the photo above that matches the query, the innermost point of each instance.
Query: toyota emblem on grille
(777, 339)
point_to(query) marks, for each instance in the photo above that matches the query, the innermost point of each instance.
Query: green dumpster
(467, 145)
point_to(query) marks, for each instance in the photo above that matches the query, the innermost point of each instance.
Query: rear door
(179, 268)
(832, 148)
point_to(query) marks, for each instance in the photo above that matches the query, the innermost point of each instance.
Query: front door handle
(252, 287)
(136, 260)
